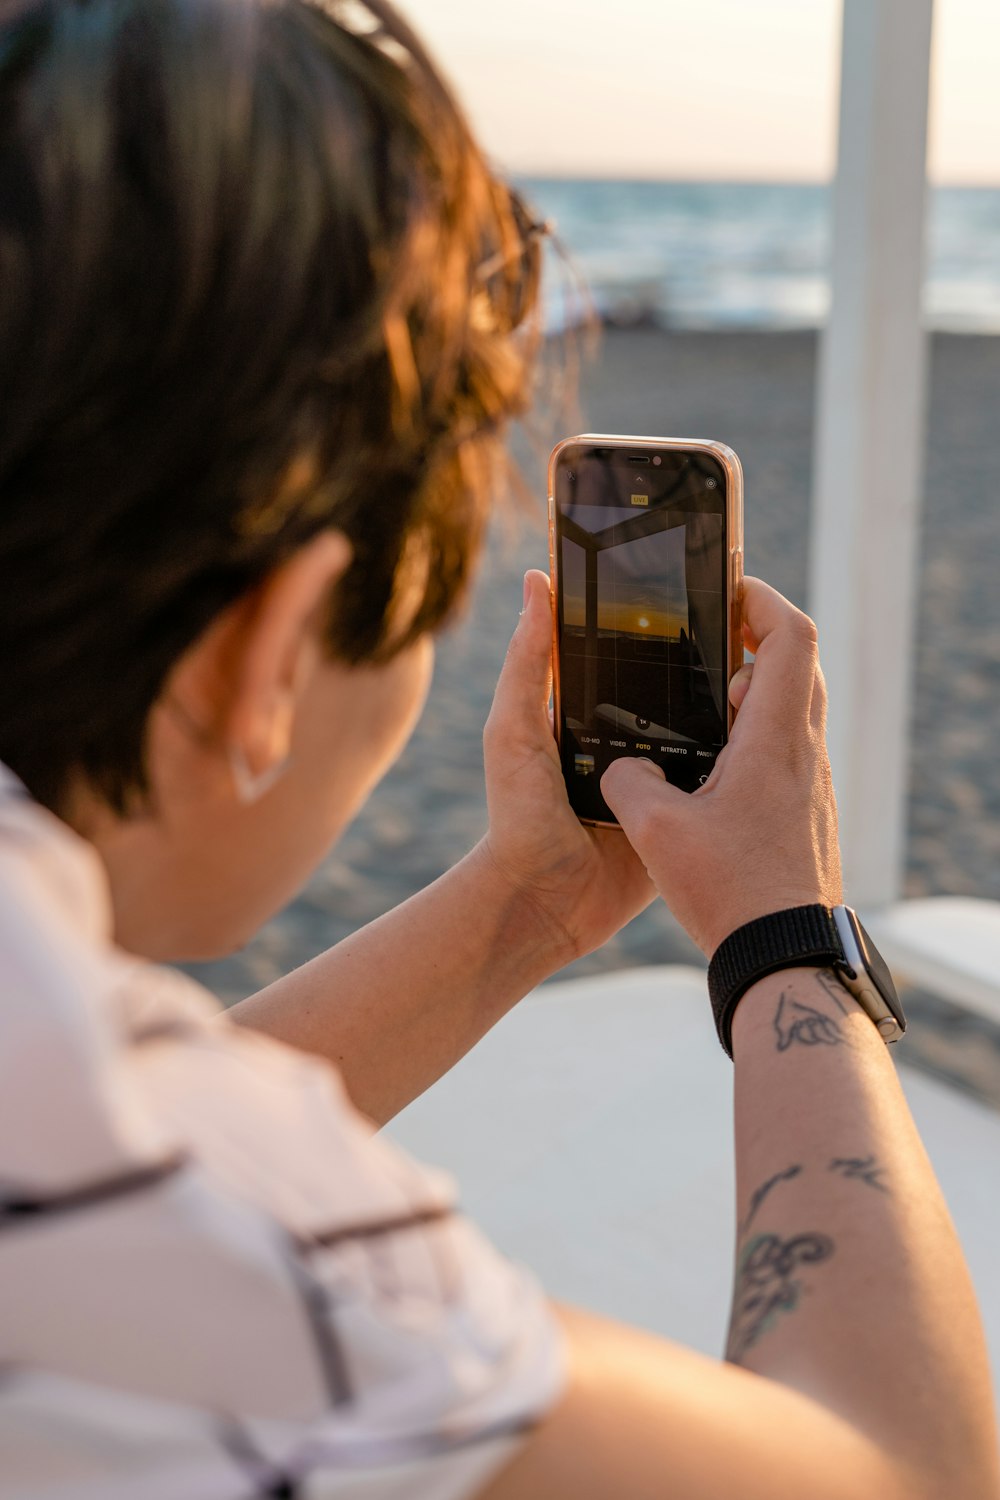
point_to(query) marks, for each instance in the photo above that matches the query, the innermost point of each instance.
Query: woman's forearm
(850, 1282)
(397, 1004)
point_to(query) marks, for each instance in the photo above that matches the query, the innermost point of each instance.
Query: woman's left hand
(582, 883)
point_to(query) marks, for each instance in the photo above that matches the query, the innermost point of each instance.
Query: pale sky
(694, 88)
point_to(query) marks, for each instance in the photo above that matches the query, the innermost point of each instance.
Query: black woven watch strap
(802, 936)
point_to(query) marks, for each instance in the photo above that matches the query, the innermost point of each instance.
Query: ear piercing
(251, 786)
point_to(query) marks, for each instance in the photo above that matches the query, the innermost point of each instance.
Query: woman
(262, 319)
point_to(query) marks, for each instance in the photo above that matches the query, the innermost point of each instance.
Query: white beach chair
(591, 1133)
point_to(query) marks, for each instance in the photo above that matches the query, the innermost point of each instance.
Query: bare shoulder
(642, 1417)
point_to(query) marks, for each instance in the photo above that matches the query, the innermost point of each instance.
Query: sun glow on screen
(625, 617)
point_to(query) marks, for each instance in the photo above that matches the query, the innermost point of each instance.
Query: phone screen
(642, 614)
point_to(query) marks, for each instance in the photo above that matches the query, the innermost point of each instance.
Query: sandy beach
(754, 391)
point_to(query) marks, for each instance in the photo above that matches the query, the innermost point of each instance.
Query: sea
(746, 255)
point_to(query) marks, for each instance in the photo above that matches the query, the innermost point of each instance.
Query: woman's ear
(241, 679)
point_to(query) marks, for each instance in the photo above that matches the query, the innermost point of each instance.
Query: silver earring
(248, 785)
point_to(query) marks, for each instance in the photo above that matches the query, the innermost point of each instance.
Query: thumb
(526, 676)
(636, 789)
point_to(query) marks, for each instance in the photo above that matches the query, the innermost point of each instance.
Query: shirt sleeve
(302, 1279)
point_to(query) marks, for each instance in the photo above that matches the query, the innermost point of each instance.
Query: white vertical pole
(870, 434)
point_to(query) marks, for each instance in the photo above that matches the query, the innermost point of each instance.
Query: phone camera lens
(657, 460)
(711, 484)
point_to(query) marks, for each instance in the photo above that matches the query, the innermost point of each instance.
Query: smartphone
(646, 560)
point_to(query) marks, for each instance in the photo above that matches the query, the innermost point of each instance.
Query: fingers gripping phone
(646, 558)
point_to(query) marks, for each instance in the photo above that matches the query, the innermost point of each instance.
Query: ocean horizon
(747, 255)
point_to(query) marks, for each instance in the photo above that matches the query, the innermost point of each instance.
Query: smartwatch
(821, 937)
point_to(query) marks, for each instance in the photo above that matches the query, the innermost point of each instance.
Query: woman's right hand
(761, 834)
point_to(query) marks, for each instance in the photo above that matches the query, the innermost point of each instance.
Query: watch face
(878, 969)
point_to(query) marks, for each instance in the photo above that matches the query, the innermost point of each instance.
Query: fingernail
(527, 591)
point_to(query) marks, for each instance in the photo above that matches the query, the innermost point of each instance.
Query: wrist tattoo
(863, 1168)
(758, 1196)
(768, 1286)
(797, 1022)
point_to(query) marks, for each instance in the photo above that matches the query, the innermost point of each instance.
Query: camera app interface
(642, 618)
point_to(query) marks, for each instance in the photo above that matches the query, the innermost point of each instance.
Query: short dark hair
(256, 280)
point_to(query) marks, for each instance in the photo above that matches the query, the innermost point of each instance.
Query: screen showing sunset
(641, 630)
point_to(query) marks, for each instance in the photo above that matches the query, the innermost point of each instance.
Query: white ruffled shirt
(216, 1280)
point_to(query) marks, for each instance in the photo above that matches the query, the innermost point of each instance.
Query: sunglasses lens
(511, 275)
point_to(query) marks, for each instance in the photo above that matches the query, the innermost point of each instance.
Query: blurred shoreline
(755, 392)
(749, 255)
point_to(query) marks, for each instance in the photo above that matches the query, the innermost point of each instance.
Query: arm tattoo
(757, 1198)
(767, 1286)
(795, 1022)
(864, 1168)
